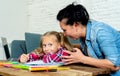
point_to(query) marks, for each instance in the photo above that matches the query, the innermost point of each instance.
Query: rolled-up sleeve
(109, 45)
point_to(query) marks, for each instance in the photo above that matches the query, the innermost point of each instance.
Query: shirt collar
(88, 29)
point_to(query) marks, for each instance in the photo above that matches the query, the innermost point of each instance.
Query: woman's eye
(63, 30)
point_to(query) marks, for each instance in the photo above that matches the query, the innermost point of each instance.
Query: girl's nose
(47, 48)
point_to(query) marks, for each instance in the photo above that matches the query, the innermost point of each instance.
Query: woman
(99, 43)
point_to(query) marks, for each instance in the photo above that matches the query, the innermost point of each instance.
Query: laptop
(5, 46)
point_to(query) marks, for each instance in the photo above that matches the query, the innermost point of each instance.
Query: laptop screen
(5, 46)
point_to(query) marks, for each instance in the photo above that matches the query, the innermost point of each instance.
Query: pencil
(48, 68)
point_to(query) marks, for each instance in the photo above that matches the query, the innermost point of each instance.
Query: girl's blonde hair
(63, 40)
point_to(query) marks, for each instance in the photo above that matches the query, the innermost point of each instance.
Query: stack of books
(36, 66)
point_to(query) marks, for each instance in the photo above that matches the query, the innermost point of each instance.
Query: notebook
(41, 66)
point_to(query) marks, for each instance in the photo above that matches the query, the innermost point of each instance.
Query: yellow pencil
(48, 68)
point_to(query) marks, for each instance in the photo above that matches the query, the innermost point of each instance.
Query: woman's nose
(64, 34)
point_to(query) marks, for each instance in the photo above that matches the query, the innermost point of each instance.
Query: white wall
(42, 14)
(13, 20)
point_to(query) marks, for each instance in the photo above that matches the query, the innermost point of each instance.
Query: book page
(41, 63)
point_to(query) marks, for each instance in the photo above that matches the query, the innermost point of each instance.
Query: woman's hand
(74, 57)
(24, 58)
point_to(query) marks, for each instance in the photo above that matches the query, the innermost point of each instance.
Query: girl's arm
(23, 58)
(32, 56)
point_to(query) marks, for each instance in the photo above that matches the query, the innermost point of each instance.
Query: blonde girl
(52, 46)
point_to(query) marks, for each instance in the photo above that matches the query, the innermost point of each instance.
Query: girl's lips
(47, 52)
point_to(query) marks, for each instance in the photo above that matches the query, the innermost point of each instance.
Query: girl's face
(50, 44)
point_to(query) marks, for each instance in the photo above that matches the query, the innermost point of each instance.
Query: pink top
(48, 58)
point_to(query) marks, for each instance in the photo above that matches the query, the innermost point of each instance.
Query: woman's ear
(75, 25)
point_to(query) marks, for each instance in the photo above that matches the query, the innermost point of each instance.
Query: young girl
(51, 48)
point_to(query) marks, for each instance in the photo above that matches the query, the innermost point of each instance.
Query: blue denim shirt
(103, 42)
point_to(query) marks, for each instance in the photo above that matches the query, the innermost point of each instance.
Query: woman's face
(50, 44)
(69, 30)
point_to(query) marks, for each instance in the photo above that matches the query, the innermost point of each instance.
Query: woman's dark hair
(74, 13)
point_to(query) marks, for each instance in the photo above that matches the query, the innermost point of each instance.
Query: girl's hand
(74, 57)
(24, 58)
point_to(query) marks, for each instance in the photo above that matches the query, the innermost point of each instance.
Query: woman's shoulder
(97, 25)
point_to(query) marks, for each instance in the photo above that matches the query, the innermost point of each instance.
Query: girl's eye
(44, 45)
(49, 44)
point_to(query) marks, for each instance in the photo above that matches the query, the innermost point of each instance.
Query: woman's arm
(101, 63)
(79, 57)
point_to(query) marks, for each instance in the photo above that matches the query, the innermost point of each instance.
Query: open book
(41, 63)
